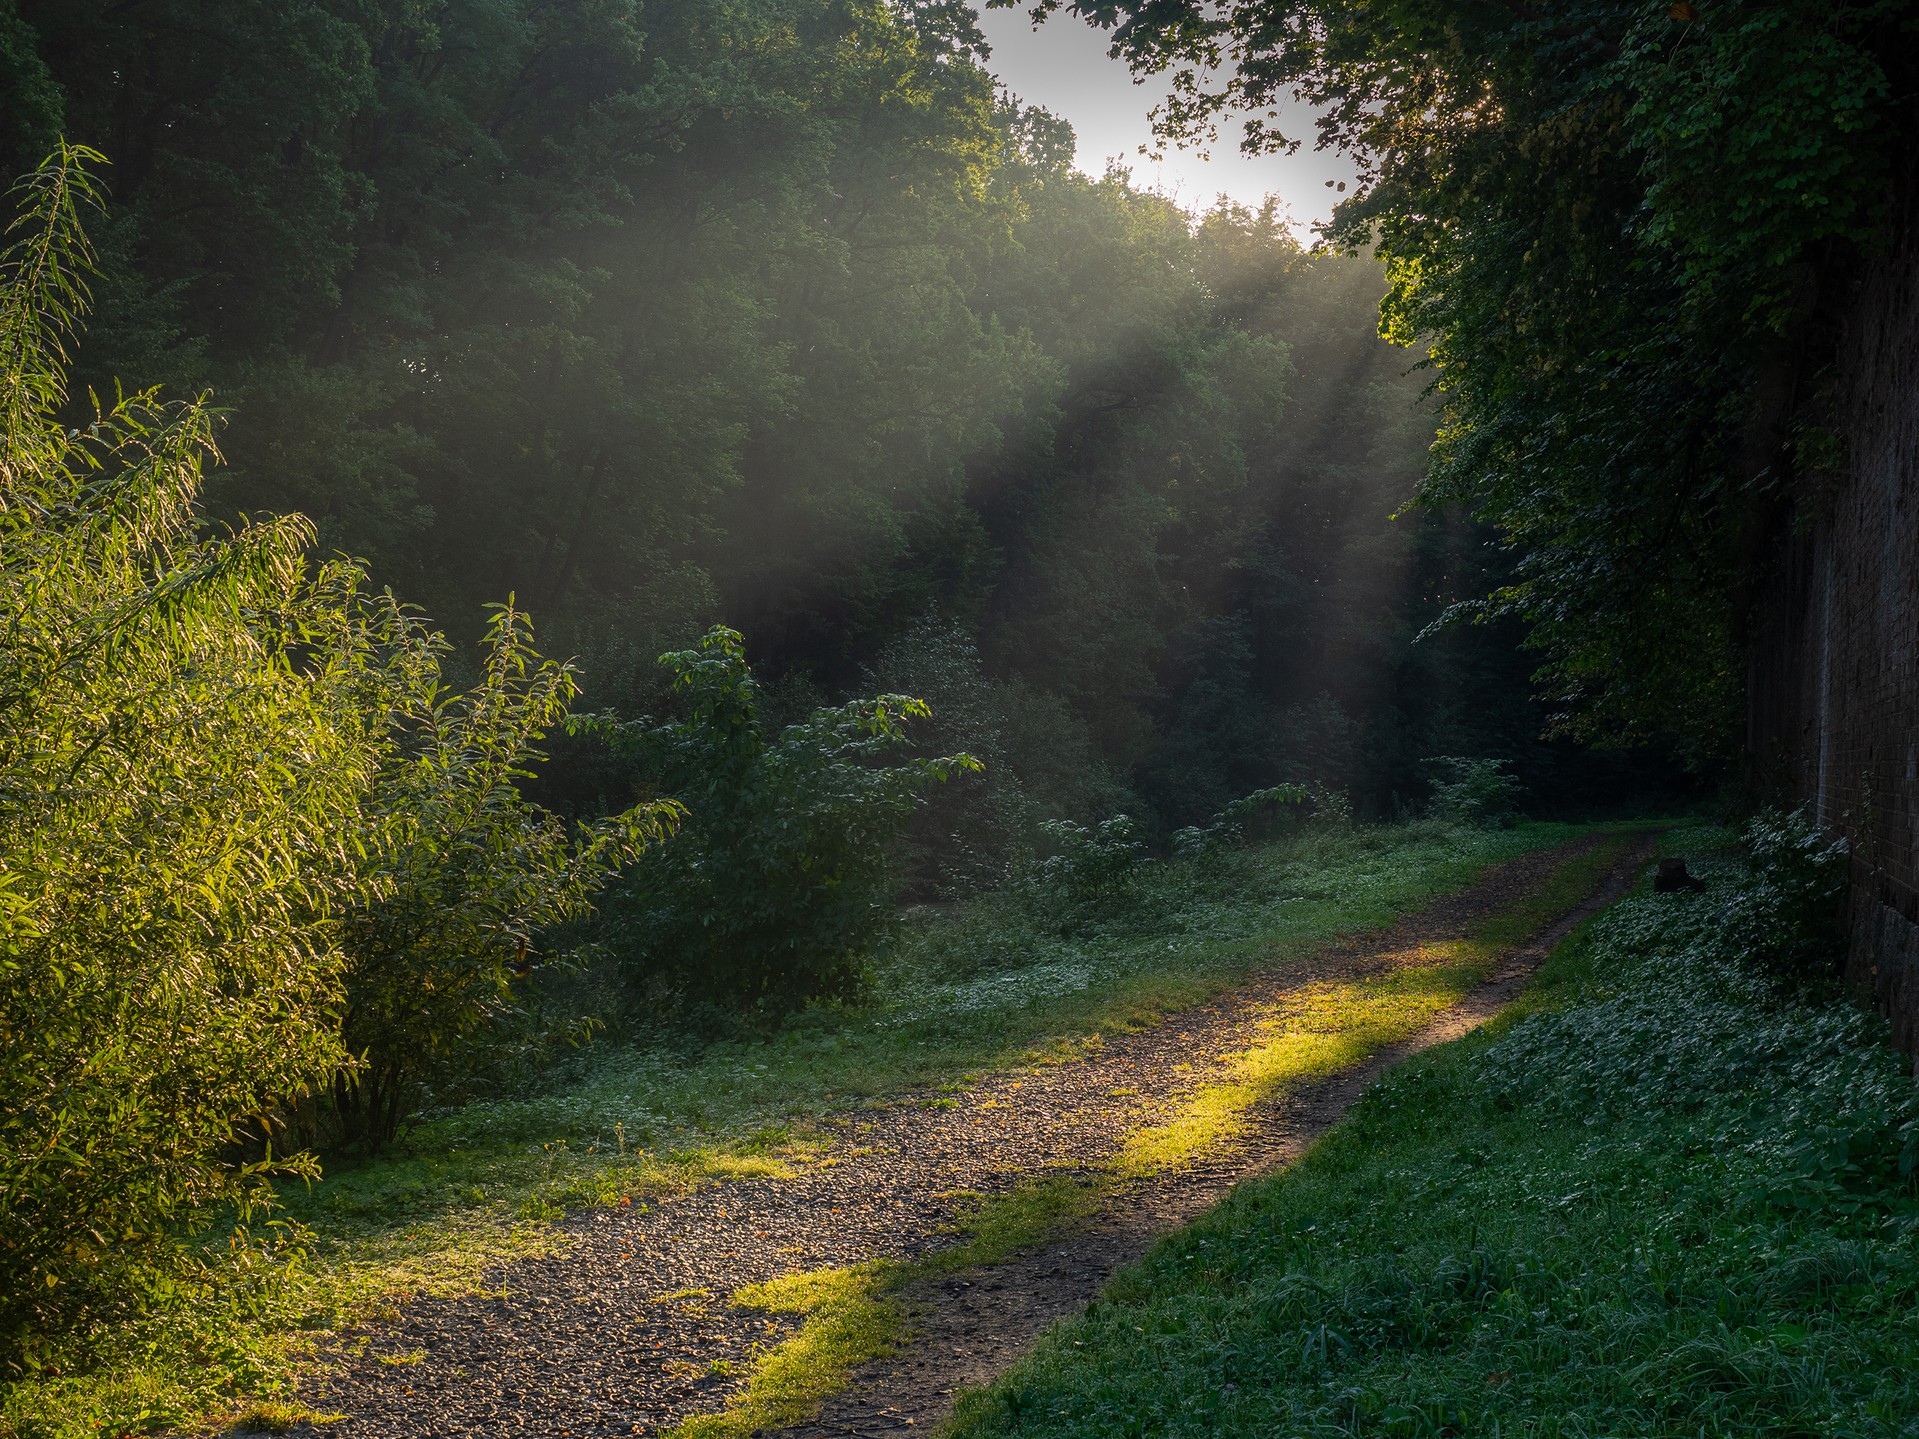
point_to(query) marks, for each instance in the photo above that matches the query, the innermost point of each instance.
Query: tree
(1607, 221)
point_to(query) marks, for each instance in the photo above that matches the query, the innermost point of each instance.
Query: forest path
(629, 1328)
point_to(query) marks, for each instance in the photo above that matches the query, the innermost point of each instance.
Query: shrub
(1790, 921)
(1089, 865)
(235, 804)
(460, 873)
(175, 796)
(1478, 792)
(782, 877)
(1252, 817)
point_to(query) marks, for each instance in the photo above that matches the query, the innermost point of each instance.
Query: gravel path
(626, 1329)
(972, 1328)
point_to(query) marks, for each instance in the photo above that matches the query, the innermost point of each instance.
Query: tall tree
(1610, 222)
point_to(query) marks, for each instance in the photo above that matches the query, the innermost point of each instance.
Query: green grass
(1662, 1199)
(1326, 1027)
(855, 1314)
(847, 1321)
(961, 994)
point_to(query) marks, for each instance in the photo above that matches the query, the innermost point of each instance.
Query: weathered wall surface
(1833, 717)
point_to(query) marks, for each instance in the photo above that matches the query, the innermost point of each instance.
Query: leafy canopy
(1609, 221)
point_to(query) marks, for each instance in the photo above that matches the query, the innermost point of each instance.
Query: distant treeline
(1629, 234)
(781, 314)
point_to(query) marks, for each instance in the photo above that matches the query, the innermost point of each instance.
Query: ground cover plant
(1676, 1199)
(960, 992)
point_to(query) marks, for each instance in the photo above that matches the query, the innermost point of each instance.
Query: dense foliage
(1472, 791)
(780, 315)
(1618, 226)
(1681, 1200)
(460, 878)
(1250, 817)
(784, 874)
(172, 790)
(251, 853)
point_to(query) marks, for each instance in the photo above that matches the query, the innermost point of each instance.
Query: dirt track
(626, 1330)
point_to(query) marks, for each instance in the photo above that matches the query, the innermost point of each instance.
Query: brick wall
(1833, 717)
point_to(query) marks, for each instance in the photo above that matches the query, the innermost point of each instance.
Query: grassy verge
(961, 994)
(1672, 1200)
(853, 1315)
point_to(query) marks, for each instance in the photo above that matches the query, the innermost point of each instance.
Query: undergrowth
(963, 992)
(1677, 1198)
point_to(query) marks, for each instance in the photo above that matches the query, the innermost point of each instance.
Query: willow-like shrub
(236, 807)
(462, 878)
(173, 794)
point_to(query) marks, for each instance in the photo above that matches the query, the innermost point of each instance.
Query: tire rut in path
(626, 1329)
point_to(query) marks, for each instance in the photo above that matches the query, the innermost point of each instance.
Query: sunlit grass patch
(277, 1416)
(999, 1227)
(1328, 1028)
(848, 1320)
(1324, 1028)
(854, 1315)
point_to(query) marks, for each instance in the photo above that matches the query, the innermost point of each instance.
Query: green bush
(966, 837)
(1790, 920)
(1252, 817)
(237, 809)
(1101, 875)
(782, 876)
(1090, 863)
(1091, 876)
(1472, 791)
(460, 876)
(177, 792)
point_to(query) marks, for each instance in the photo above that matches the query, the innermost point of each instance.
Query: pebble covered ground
(626, 1329)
